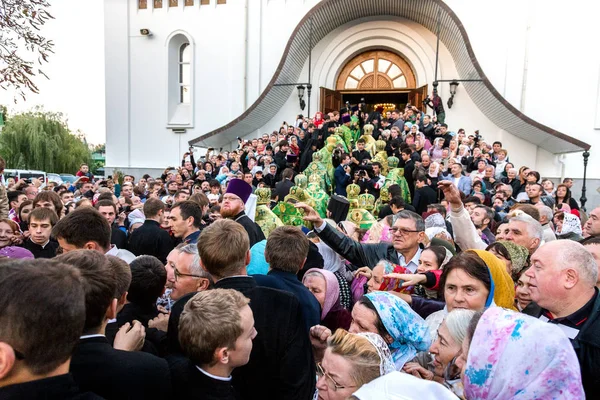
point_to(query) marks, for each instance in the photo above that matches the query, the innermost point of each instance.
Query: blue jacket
(464, 184)
(288, 282)
(341, 180)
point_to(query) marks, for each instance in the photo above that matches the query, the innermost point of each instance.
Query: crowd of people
(358, 254)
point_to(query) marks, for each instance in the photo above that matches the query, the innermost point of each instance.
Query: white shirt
(219, 378)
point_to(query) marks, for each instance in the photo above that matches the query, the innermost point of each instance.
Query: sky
(76, 70)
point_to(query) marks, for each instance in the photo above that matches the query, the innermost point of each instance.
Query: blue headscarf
(408, 330)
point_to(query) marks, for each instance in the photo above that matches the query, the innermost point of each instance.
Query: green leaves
(42, 140)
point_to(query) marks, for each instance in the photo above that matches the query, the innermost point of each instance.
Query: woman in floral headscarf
(404, 331)
(504, 358)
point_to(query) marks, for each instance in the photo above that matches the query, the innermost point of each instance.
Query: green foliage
(41, 140)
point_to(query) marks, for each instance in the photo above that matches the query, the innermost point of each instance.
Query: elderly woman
(494, 366)
(444, 351)
(350, 361)
(436, 151)
(405, 332)
(325, 287)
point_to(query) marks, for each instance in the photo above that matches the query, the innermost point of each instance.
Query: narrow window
(184, 73)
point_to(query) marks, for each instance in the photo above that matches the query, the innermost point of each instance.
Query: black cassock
(254, 232)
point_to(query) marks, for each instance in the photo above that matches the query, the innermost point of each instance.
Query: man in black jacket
(96, 366)
(281, 364)
(424, 195)
(150, 239)
(41, 245)
(36, 365)
(233, 206)
(282, 188)
(408, 233)
(108, 209)
(409, 167)
(562, 282)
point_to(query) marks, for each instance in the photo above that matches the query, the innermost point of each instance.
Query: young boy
(84, 170)
(216, 330)
(41, 222)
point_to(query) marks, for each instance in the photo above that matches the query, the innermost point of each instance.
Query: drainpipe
(245, 55)
(563, 164)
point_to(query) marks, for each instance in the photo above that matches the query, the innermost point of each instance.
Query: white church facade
(203, 72)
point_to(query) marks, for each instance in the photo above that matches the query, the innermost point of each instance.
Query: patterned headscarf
(518, 255)
(332, 289)
(435, 220)
(571, 224)
(409, 332)
(507, 360)
(386, 365)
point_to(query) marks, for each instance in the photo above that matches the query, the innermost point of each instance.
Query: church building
(205, 72)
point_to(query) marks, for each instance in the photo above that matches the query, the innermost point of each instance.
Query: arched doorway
(376, 70)
(380, 77)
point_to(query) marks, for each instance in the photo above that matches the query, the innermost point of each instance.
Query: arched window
(180, 80)
(376, 70)
(185, 70)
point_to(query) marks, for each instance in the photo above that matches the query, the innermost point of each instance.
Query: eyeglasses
(321, 372)
(179, 274)
(230, 198)
(402, 231)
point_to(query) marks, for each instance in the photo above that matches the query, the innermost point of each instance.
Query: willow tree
(41, 140)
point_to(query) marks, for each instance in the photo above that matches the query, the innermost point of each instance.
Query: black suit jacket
(150, 239)
(190, 383)
(281, 364)
(41, 252)
(118, 237)
(61, 387)
(255, 234)
(357, 253)
(424, 197)
(283, 188)
(116, 374)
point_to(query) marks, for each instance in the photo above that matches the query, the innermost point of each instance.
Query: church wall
(522, 39)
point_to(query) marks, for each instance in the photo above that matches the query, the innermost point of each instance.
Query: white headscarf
(571, 224)
(386, 365)
(402, 386)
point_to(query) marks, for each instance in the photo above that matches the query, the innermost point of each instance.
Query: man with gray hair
(189, 275)
(524, 230)
(562, 281)
(546, 219)
(408, 232)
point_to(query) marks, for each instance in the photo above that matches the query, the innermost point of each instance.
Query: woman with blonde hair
(350, 361)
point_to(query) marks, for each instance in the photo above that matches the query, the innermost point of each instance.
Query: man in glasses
(36, 365)
(189, 276)
(408, 232)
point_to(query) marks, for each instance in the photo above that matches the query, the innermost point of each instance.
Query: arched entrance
(380, 77)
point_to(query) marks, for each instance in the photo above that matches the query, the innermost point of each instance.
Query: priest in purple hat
(233, 206)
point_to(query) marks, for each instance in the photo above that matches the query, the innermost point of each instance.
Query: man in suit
(408, 232)
(462, 182)
(286, 252)
(233, 206)
(36, 365)
(185, 221)
(281, 364)
(342, 175)
(424, 195)
(150, 239)
(96, 366)
(217, 330)
(283, 187)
